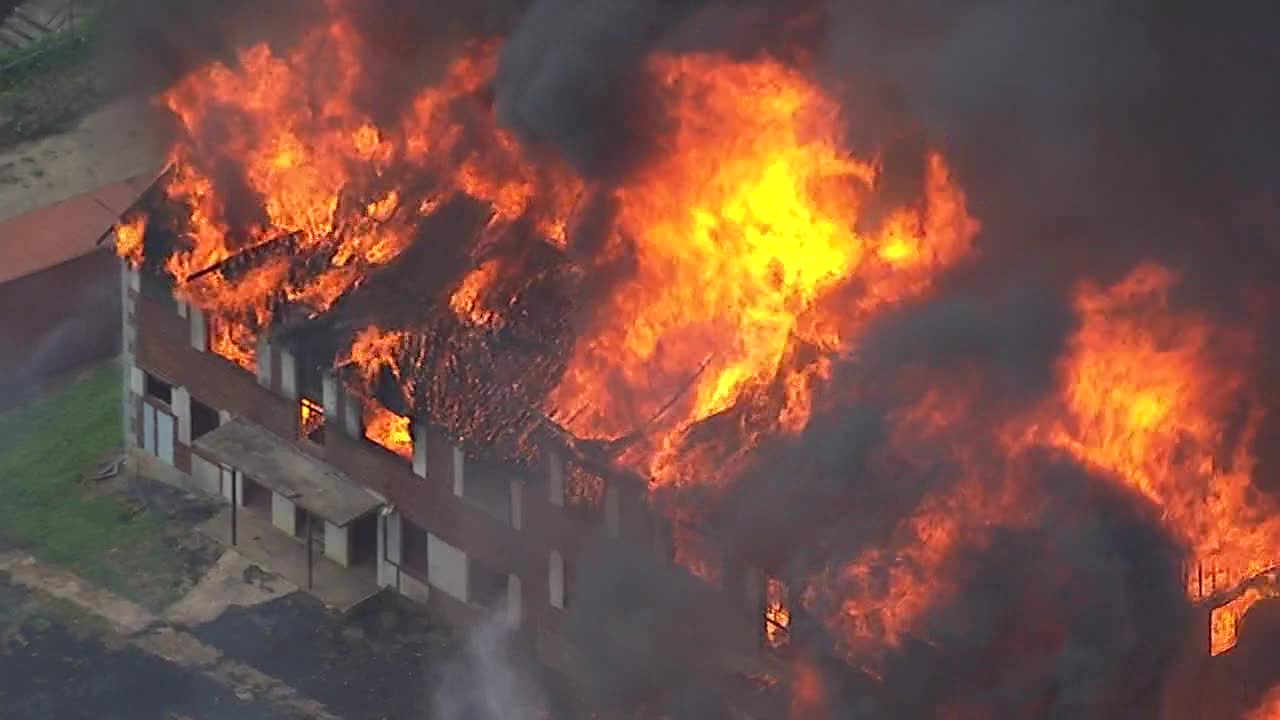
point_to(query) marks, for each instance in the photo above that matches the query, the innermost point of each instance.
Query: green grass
(48, 85)
(46, 447)
(52, 53)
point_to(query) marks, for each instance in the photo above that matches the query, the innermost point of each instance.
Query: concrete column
(199, 330)
(337, 543)
(389, 550)
(446, 567)
(264, 361)
(283, 513)
(329, 387)
(352, 415)
(555, 579)
(612, 511)
(459, 479)
(420, 449)
(515, 607)
(129, 333)
(137, 381)
(184, 310)
(134, 278)
(517, 504)
(182, 411)
(228, 478)
(555, 479)
(288, 375)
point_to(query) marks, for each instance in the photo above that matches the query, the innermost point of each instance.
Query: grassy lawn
(46, 447)
(46, 87)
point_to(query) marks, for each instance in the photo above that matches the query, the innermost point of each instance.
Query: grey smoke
(489, 681)
(88, 330)
(570, 78)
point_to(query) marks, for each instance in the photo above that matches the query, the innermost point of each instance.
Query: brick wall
(163, 349)
(59, 319)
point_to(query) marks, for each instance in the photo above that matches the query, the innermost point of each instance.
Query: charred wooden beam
(246, 256)
(1267, 581)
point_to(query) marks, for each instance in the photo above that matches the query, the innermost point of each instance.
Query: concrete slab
(282, 468)
(261, 543)
(233, 581)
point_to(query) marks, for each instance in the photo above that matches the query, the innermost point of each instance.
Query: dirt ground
(114, 142)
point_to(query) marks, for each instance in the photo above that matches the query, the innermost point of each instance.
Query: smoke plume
(488, 682)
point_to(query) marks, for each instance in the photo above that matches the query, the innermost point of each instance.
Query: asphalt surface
(49, 671)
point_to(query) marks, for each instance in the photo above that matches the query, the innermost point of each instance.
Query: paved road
(51, 667)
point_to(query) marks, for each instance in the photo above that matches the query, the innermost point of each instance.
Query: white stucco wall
(182, 411)
(459, 469)
(420, 449)
(337, 543)
(555, 579)
(447, 567)
(283, 513)
(288, 375)
(205, 476)
(264, 362)
(199, 330)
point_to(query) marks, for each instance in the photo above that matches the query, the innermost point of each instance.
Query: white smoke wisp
(488, 681)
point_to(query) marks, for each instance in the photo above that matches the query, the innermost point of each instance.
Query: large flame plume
(743, 258)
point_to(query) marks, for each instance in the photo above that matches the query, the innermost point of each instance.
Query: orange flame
(1268, 708)
(748, 217)
(777, 614)
(1159, 399)
(468, 300)
(129, 236)
(388, 429)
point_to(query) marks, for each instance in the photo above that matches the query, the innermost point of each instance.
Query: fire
(388, 429)
(468, 300)
(129, 236)
(1159, 399)
(757, 249)
(745, 221)
(1268, 708)
(777, 614)
(324, 198)
(310, 419)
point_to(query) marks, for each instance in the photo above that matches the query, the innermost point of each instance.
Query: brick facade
(539, 530)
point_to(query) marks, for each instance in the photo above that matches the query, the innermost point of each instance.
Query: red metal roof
(55, 234)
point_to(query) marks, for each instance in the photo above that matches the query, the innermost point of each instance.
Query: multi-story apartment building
(468, 535)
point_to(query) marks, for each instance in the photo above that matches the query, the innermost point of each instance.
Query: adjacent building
(59, 296)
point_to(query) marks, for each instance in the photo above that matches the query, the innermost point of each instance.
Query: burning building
(731, 395)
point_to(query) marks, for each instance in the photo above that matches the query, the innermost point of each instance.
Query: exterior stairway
(34, 20)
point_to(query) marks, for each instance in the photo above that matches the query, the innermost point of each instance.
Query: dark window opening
(413, 549)
(256, 496)
(157, 287)
(159, 389)
(485, 586)
(364, 539)
(311, 420)
(310, 380)
(204, 419)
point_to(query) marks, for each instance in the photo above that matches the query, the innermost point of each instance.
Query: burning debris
(974, 490)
